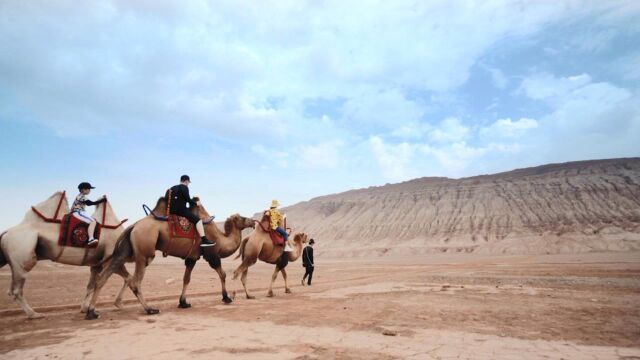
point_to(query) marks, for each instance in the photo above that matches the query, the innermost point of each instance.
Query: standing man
(307, 261)
(179, 199)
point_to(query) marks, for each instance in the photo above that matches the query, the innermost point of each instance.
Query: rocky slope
(557, 208)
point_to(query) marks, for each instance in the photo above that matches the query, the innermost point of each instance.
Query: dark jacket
(307, 256)
(180, 198)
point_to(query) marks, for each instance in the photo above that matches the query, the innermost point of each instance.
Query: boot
(206, 242)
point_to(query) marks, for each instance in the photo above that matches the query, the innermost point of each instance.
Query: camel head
(300, 238)
(239, 222)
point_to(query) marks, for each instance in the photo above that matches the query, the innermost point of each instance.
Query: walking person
(307, 262)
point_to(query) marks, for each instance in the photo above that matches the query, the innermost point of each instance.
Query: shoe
(92, 241)
(206, 242)
(287, 248)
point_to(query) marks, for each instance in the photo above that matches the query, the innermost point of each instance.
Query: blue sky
(295, 99)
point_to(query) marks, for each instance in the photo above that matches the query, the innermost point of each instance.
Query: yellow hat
(274, 203)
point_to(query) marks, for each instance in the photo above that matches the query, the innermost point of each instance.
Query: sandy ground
(433, 307)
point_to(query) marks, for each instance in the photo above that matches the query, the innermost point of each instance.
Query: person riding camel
(78, 209)
(179, 200)
(277, 220)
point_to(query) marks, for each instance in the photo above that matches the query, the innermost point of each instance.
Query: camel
(36, 238)
(258, 245)
(140, 241)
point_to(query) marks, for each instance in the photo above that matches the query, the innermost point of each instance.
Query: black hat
(184, 178)
(85, 185)
(311, 242)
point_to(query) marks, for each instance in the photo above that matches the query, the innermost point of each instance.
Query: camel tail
(242, 246)
(123, 249)
(3, 260)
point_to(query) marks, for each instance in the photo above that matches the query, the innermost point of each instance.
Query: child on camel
(78, 209)
(277, 223)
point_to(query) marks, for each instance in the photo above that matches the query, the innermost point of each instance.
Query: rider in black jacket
(178, 206)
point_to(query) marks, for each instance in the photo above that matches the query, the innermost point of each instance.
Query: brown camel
(140, 241)
(258, 245)
(36, 238)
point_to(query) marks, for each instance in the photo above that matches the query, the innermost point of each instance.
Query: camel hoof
(118, 304)
(35, 316)
(227, 300)
(152, 311)
(270, 294)
(83, 310)
(184, 304)
(250, 297)
(91, 315)
(287, 291)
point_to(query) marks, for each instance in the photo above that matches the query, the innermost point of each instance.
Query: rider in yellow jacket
(277, 223)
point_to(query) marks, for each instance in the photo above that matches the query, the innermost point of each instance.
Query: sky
(288, 100)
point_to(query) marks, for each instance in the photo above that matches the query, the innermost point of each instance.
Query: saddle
(276, 238)
(74, 232)
(180, 230)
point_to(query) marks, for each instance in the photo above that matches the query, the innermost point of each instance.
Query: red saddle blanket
(181, 227)
(74, 232)
(276, 238)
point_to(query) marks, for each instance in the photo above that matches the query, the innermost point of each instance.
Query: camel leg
(273, 279)
(101, 279)
(244, 284)
(186, 279)
(214, 261)
(223, 280)
(21, 255)
(95, 270)
(141, 266)
(122, 271)
(286, 285)
(19, 276)
(242, 270)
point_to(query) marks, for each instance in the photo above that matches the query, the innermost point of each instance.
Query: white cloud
(320, 156)
(546, 86)
(508, 128)
(392, 159)
(386, 109)
(498, 78)
(450, 129)
(270, 157)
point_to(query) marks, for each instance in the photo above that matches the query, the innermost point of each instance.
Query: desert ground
(580, 306)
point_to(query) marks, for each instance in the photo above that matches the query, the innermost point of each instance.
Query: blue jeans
(282, 232)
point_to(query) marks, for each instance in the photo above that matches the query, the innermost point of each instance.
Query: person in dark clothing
(178, 206)
(307, 262)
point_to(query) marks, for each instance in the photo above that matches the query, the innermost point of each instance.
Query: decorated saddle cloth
(74, 232)
(184, 240)
(181, 227)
